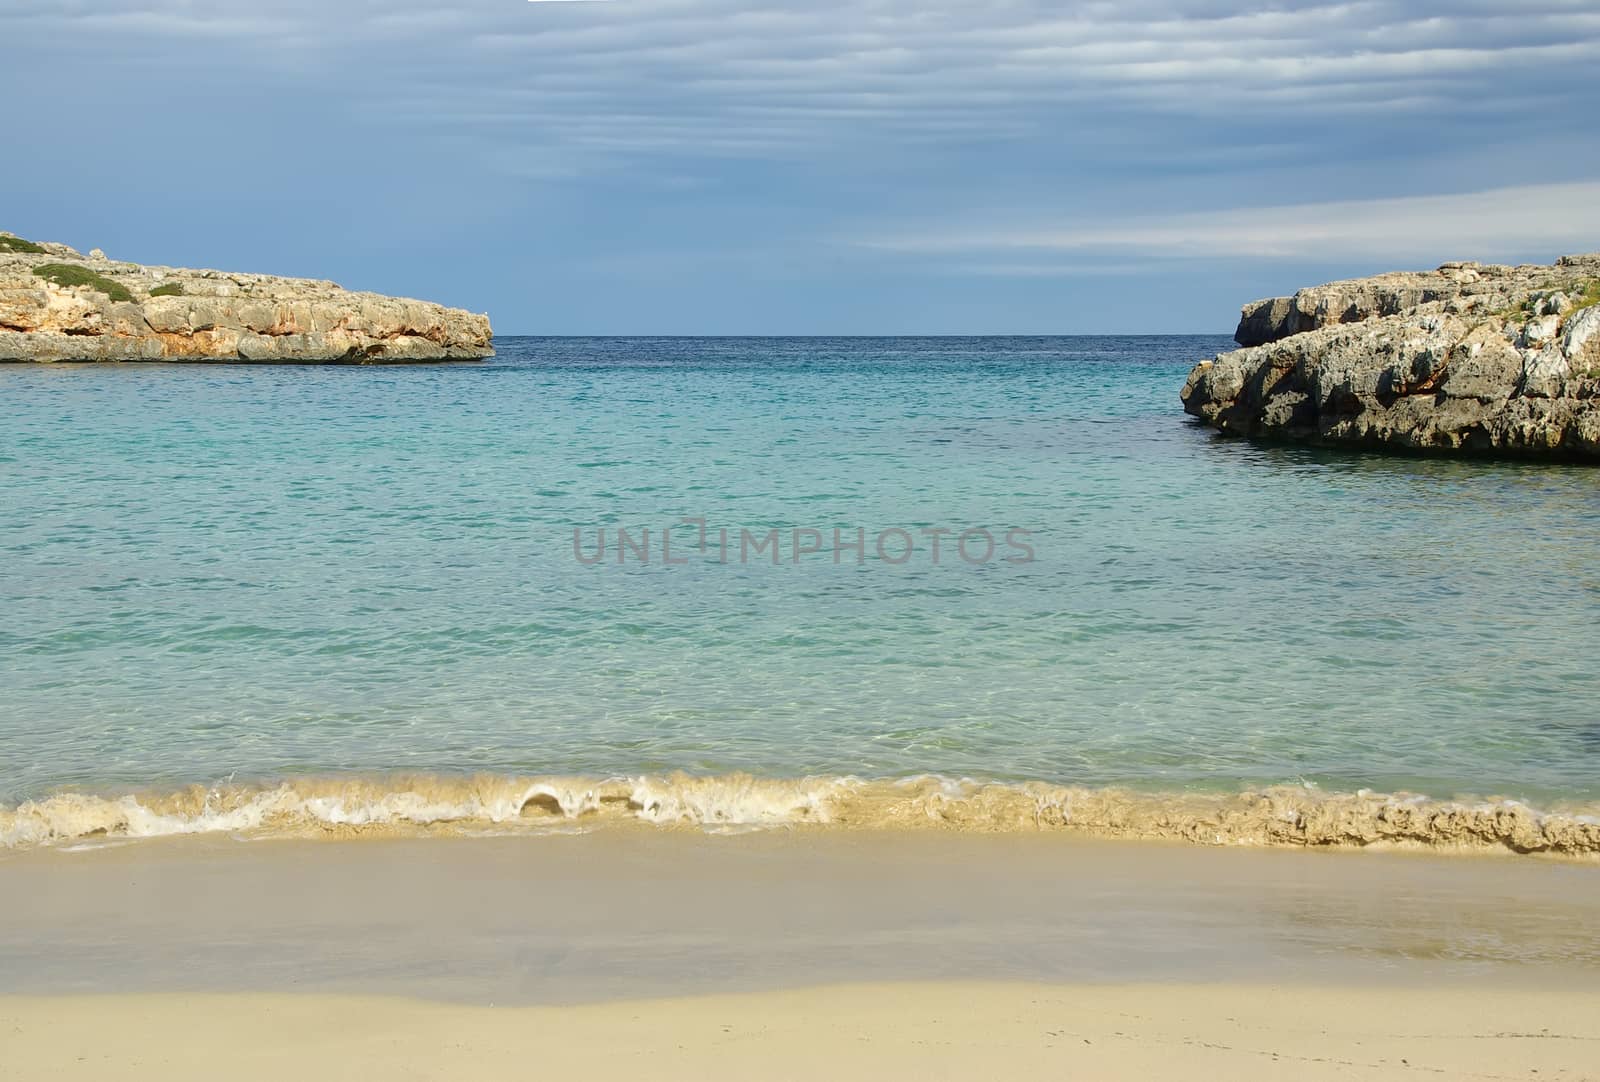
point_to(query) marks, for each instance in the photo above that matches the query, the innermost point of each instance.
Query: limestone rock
(207, 315)
(1580, 343)
(1467, 358)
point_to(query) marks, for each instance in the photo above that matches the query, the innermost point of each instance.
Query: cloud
(604, 83)
(855, 149)
(1502, 223)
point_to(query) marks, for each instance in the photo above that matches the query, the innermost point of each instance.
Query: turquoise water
(263, 573)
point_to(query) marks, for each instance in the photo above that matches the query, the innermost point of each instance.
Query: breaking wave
(1274, 816)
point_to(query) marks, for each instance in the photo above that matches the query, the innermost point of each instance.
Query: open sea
(256, 598)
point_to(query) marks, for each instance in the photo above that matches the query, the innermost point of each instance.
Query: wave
(1273, 816)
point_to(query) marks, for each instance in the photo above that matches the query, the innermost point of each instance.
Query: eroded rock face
(206, 315)
(1468, 358)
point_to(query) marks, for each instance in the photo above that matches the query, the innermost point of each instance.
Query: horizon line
(935, 334)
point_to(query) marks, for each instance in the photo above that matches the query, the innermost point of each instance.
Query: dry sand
(843, 1032)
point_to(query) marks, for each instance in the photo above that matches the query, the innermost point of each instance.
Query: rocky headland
(1468, 358)
(59, 305)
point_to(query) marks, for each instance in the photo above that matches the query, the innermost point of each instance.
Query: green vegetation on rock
(17, 244)
(66, 274)
(1580, 295)
(1589, 296)
(168, 289)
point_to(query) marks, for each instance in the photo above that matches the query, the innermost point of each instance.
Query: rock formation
(57, 305)
(1468, 358)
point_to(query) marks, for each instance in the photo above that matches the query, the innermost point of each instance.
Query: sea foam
(356, 807)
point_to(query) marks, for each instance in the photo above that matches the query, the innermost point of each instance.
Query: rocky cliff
(57, 305)
(1467, 358)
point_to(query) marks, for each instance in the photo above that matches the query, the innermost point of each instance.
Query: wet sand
(651, 912)
(790, 954)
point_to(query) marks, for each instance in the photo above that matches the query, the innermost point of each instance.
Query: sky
(808, 166)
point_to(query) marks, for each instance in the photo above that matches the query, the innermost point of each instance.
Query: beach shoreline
(390, 805)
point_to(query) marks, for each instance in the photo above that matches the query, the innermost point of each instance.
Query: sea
(994, 583)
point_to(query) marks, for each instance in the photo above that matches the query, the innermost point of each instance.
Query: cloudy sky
(808, 166)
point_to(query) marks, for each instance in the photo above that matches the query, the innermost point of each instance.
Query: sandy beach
(870, 1031)
(679, 954)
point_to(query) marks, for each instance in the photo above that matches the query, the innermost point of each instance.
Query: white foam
(1285, 815)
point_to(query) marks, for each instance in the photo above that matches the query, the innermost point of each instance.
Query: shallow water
(267, 573)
